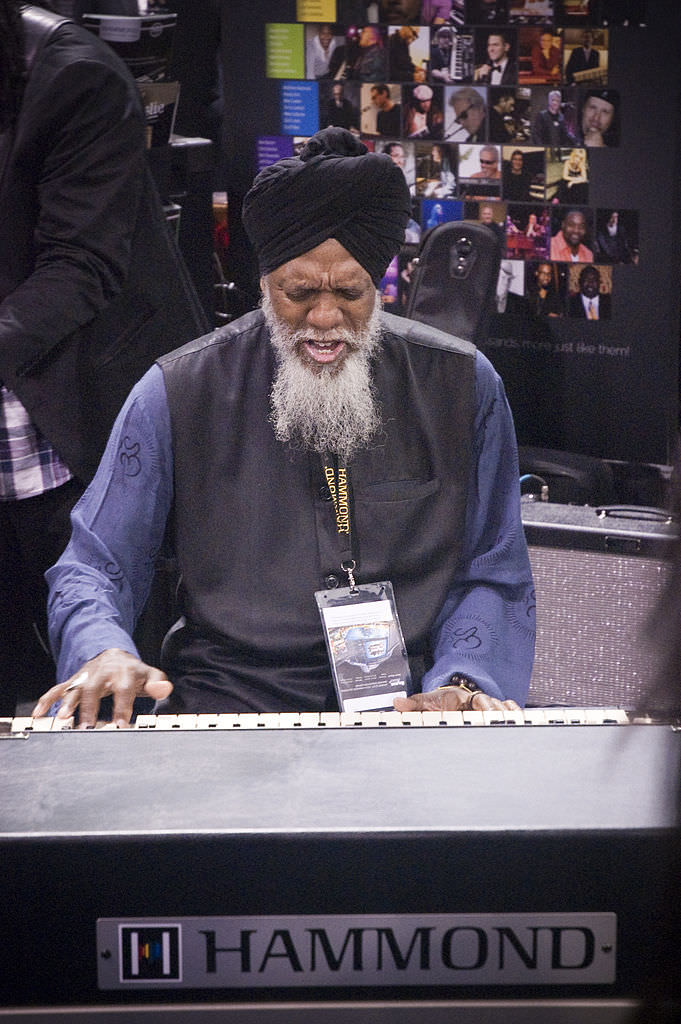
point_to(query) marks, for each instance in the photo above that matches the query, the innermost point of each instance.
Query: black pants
(33, 534)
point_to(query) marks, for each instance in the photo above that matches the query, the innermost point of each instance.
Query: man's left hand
(453, 698)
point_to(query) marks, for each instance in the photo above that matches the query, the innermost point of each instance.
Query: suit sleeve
(81, 139)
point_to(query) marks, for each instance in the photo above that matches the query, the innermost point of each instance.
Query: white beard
(324, 407)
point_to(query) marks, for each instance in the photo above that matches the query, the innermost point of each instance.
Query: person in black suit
(502, 126)
(542, 294)
(339, 110)
(590, 303)
(612, 240)
(516, 178)
(582, 58)
(549, 127)
(499, 66)
(85, 308)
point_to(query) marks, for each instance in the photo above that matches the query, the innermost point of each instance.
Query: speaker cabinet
(598, 573)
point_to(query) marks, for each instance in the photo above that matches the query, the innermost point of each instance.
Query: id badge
(365, 646)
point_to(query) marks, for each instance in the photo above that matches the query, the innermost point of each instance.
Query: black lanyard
(337, 477)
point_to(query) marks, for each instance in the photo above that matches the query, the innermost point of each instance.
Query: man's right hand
(113, 672)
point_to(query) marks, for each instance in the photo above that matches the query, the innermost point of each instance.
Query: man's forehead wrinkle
(319, 279)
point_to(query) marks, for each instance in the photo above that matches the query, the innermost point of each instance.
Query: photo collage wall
(491, 109)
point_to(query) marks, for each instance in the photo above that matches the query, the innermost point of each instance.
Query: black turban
(336, 189)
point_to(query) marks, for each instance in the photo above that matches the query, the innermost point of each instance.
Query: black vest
(254, 530)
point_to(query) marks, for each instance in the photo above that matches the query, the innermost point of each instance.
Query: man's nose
(325, 313)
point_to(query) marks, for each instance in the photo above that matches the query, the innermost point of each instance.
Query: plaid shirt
(29, 465)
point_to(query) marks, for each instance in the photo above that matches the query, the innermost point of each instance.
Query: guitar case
(453, 284)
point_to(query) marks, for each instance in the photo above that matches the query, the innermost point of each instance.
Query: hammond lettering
(347, 950)
(375, 951)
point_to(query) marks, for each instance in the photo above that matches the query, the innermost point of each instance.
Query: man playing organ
(316, 446)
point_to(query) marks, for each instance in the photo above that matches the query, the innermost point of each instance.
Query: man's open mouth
(324, 351)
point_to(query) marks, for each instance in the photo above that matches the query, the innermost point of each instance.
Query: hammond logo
(150, 953)
(361, 949)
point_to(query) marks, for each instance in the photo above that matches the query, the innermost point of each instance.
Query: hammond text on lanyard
(362, 631)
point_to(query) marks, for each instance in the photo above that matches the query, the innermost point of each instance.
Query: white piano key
(146, 721)
(288, 720)
(309, 719)
(330, 719)
(22, 723)
(535, 716)
(412, 718)
(494, 716)
(442, 718)
(473, 717)
(268, 721)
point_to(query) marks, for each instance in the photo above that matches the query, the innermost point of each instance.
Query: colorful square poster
(285, 51)
(299, 108)
(270, 148)
(316, 10)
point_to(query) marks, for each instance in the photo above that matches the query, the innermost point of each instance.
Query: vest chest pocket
(395, 491)
(397, 526)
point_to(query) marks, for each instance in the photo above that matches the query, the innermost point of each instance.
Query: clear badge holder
(365, 645)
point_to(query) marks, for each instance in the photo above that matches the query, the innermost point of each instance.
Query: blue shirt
(486, 628)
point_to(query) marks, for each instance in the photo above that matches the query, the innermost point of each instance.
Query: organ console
(507, 866)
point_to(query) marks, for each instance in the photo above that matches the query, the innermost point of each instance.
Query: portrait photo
(617, 238)
(523, 174)
(422, 111)
(439, 211)
(527, 231)
(585, 56)
(321, 42)
(435, 169)
(486, 12)
(545, 288)
(480, 162)
(530, 12)
(437, 12)
(540, 55)
(572, 234)
(339, 105)
(567, 176)
(364, 56)
(496, 56)
(399, 12)
(553, 117)
(491, 213)
(381, 109)
(408, 53)
(590, 292)
(598, 117)
(465, 113)
(401, 153)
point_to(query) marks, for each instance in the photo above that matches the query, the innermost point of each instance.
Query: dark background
(611, 407)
